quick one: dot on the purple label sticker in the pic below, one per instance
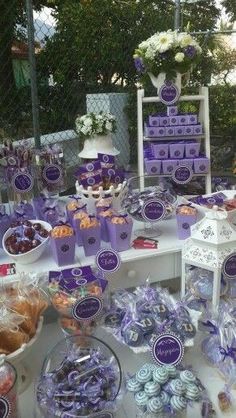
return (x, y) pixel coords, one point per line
(108, 260)
(168, 93)
(162, 152)
(22, 182)
(167, 349)
(154, 169)
(65, 248)
(87, 308)
(153, 210)
(5, 408)
(52, 173)
(229, 266)
(182, 174)
(185, 225)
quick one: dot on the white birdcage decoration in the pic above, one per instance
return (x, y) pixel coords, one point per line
(212, 241)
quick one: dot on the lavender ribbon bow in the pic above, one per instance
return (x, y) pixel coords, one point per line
(228, 352)
(209, 324)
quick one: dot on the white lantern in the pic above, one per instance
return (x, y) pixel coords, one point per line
(212, 240)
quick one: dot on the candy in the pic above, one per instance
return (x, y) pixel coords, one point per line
(224, 401)
(152, 388)
(172, 371)
(187, 377)
(164, 397)
(61, 231)
(178, 403)
(133, 385)
(146, 323)
(155, 405)
(133, 335)
(177, 387)
(113, 320)
(144, 375)
(89, 222)
(141, 400)
(161, 311)
(160, 375)
(25, 236)
(192, 392)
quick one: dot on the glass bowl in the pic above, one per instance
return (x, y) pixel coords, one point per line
(81, 376)
(149, 202)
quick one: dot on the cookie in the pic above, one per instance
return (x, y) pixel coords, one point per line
(133, 335)
(187, 330)
(161, 311)
(147, 324)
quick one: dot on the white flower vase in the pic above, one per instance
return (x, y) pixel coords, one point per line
(98, 144)
(161, 78)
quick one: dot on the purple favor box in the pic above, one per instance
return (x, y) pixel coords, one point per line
(120, 235)
(173, 121)
(187, 162)
(154, 120)
(91, 238)
(201, 165)
(184, 222)
(179, 130)
(168, 166)
(177, 150)
(172, 110)
(164, 121)
(182, 119)
(76, 226)
(197, 129)
(153, 166)
(63, 250)
(160, 151)
(170, 131)
(104, 228)
(192, 149)
(188, 130)
(192, 119)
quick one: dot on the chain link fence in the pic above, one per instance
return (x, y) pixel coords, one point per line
(84, 63)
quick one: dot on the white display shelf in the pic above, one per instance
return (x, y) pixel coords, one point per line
(203, 116)
(130, 362)
(172, 138)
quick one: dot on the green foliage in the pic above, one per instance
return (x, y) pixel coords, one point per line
(230, 6)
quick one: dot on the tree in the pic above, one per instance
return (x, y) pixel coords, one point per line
(230, 7)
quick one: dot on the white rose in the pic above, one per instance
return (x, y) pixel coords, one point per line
(108, 126)
(87, 122)
(185, 39)
(179, 57)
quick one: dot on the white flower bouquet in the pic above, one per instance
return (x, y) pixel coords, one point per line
(91, 124)
(168, 52)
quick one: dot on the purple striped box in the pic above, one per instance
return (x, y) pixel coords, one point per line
(153, 166)
(168, 166)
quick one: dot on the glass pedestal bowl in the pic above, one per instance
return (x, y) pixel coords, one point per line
(147, 201)
(81, 377)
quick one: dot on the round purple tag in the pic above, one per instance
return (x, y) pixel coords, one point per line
(87, 308)
(52, 173)
(182, 174)
(167, 349)
(229, 266)
(153, 210)
(22, 182)
(169, 93)
(108, 260)
(5, 408)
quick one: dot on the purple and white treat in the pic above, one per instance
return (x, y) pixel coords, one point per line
(133, 335)
(161, 311)
(172, 371)
(165, 398)
(146, 323)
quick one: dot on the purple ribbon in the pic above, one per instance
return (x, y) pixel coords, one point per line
(209, 324)
(228, 352)
(73, 196)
